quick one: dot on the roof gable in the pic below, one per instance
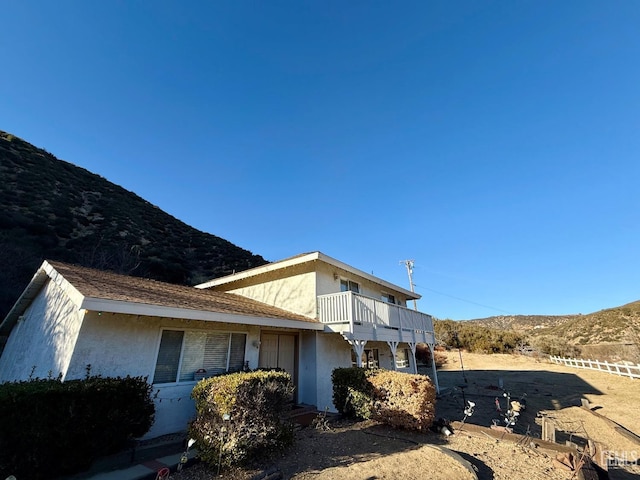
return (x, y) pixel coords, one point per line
(301, 259)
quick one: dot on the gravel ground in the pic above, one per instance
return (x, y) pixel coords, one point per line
(351, 451)
(355, 451)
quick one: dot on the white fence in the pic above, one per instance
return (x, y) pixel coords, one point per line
(626, 370)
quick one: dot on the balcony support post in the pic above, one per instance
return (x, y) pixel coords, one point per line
(412, 346)
(433, 365)
(358, 347)
(394, 348)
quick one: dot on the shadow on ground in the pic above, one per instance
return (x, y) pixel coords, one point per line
(542, 390)
(350, 445)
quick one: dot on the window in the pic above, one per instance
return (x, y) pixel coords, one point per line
(183, 353)
(369, 358)
(349, 286)
(402, 358)
(387, 297)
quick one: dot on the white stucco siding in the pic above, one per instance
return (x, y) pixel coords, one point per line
(328, 282)
(115, 345)
(121, 345)
(42, 342)
(333, 351)
(307, 371)
(294, 292)
(328, 279)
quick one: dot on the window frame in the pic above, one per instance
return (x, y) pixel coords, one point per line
(407, 358)
(184, 331)
(389, 298)
(349, 284)
(376, 358)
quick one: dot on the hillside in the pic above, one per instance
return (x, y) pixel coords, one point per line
(521, 323)
(610, 333)
(52, 209)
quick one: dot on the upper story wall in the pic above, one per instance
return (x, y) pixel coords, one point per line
(328, 281)
(292, 289)
(297, 287)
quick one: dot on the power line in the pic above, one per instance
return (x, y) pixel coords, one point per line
(464, 300)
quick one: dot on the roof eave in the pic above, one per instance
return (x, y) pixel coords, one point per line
(26, 297)
(304, 259)
(132, 308)
(261, 270)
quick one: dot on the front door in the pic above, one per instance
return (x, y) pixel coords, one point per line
(278, 351)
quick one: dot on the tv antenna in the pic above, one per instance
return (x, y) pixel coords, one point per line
(409, 265)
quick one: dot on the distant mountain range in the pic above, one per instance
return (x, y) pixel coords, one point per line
(51, 209)
(609, 332)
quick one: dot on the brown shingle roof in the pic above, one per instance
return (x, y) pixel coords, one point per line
(111, 286)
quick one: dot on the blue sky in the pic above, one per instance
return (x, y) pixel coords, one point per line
(494, 143)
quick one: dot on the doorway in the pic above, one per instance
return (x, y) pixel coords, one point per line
(278, 350)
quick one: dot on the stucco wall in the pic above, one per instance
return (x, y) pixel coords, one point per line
(44, 338)
(333, 351)
(113, 344)
(116, 344)
(328, 283)
(307, 372)
(295, 292)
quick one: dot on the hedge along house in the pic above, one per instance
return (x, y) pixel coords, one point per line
(374, 327)
(70, 317)
(308, 315)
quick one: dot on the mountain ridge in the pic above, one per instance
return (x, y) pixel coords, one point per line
(53, 209)
(611, 332)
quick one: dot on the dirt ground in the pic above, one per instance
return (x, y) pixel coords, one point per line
(551, 391)
(366, 450)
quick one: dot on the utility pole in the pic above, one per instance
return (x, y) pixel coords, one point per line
(409, 265)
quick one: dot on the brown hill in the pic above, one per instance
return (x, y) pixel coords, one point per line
(52, 209)
(611, 333)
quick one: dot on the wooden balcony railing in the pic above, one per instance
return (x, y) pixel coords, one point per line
(361, 313)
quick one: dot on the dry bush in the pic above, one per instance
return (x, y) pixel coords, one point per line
(403, 400)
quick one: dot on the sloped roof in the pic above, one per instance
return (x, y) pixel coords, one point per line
(300, 259)
(107, 291)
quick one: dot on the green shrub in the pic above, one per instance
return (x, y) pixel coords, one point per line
(352, 392)
(50, 428)
(398, 399)
(257, 404)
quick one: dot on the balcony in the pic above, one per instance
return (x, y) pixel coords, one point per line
(360, 317)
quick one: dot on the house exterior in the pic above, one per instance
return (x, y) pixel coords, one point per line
(369, 314)
(308, 315)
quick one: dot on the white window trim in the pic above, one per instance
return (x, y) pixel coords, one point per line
(408, 358)
(387, 294)
(185, 330)
(348, 280)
